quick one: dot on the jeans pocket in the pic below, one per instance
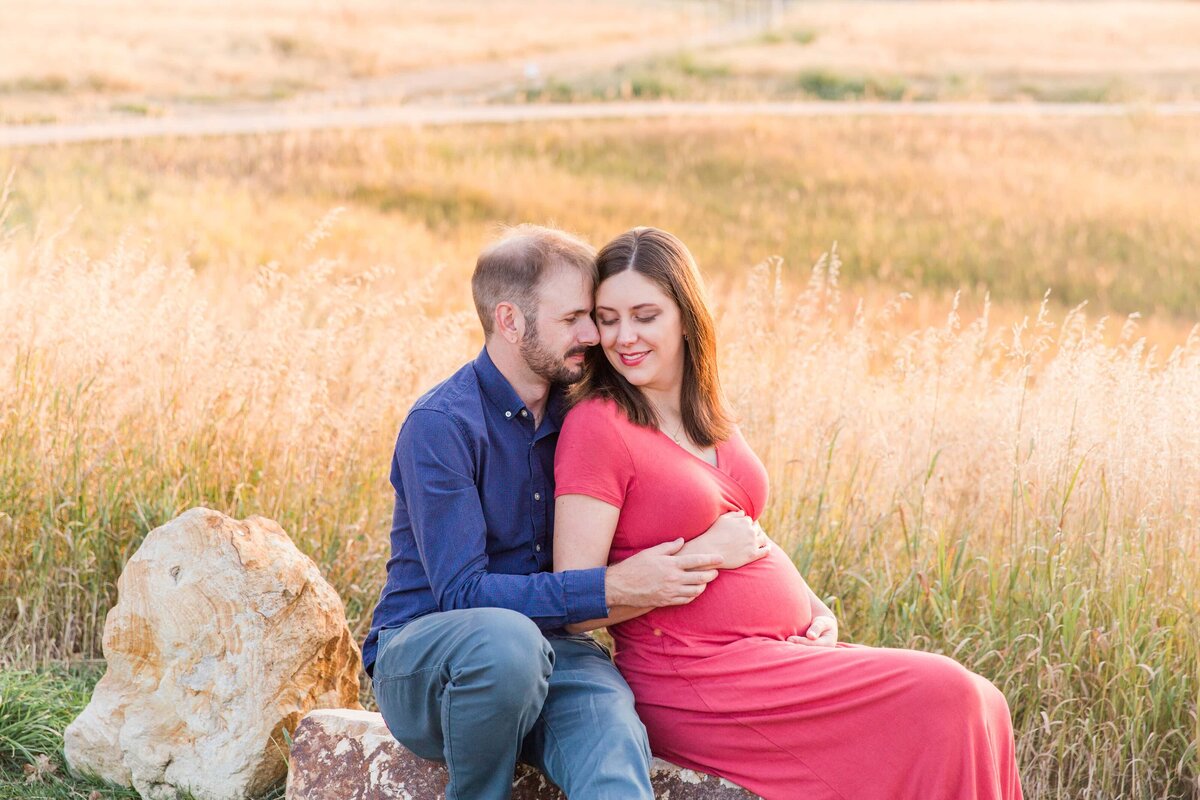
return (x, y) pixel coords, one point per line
(411, 705)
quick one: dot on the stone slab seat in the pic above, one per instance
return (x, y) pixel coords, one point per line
(339, 754)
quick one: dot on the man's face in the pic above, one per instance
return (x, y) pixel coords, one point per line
(562, 329)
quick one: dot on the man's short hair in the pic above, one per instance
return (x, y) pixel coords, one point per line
(511, 268)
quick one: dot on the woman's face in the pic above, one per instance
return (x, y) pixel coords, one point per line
(641, 331)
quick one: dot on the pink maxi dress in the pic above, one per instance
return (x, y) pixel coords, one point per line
(719, 687)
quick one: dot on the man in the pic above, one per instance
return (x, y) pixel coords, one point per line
(467, 652)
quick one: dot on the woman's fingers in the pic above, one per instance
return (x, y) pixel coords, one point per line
(807, 642)
(822, 632)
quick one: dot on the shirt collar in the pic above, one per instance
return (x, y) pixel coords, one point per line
(501, 394)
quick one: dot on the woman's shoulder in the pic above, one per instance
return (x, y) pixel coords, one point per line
(592, 443)
(596, 408)
(595, 418)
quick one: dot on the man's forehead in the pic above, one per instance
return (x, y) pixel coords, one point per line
(565, 287)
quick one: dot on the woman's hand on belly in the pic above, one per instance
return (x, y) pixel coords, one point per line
(822, 632)
(735, 537)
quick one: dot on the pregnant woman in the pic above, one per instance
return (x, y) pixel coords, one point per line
(748, 680)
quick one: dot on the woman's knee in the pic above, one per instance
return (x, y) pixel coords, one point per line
(954, 690)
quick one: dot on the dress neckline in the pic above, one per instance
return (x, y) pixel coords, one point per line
(685, 451)
(721, 473)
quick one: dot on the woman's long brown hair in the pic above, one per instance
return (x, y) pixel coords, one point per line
(663, 259)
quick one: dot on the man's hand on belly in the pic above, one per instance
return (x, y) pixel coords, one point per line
(658, 576)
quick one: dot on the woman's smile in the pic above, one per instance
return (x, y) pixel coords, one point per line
(633, 359)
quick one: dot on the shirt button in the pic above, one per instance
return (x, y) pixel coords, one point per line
(537, 495)
(524, 413)
(508, 413)
(657, 632)
(537, 547)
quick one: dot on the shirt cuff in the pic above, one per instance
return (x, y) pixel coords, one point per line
(585, 594)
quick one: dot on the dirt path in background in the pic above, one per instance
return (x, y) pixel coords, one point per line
(276, 120)
(419, 96)
(457, 95)
(475, 82)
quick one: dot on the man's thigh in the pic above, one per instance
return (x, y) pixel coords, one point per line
(416, 662)
(589, 739)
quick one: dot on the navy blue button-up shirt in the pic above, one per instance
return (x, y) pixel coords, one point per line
(474, 518)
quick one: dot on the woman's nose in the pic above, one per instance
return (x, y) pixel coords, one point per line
(626, 334)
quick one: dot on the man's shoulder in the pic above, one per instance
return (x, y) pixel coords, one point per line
(455, 398)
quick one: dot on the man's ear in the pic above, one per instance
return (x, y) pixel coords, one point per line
(509, 322)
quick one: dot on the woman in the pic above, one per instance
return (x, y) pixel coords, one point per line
(748, 680)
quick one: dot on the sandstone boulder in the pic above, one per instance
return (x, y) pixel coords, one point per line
(224, 635)
(351, 755)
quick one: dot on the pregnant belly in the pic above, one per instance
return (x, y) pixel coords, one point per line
(766, 598)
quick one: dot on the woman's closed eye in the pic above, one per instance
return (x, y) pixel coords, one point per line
(615, 320)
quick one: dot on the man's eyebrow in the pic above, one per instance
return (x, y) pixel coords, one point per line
(575, 313)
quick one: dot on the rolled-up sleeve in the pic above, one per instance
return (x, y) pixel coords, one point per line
(433, 473)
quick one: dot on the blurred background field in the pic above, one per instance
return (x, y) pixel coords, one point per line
(71, 60)
(930, 50)
(960, 462)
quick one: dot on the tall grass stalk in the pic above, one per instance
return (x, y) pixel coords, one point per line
(1024, 499)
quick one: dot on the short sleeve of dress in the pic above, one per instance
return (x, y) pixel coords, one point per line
(592, 458)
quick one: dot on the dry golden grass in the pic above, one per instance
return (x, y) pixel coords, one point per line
(1129, 40)
(70, 59)
(1017, 486)
(1022, 498)
(934, 50)
(1094, 210)
(63, 59)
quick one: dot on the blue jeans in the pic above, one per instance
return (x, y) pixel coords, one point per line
(479, 688)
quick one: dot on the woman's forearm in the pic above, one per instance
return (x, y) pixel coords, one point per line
(616, 614)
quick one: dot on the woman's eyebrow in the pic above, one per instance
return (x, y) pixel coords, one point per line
(638, 307)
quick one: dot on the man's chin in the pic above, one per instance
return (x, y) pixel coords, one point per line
(569, 375)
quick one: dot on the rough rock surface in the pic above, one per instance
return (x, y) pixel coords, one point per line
(223, 636)
(351, 755)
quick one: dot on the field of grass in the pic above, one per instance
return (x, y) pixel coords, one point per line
(1013, 484)
(932, 50)
(1093, 210)
(35, 707)
(71, 59)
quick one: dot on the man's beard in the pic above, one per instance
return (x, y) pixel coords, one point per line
(545, 364)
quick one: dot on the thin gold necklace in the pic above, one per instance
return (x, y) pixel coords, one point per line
(675, 435)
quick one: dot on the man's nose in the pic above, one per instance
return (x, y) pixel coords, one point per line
(588, 334)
